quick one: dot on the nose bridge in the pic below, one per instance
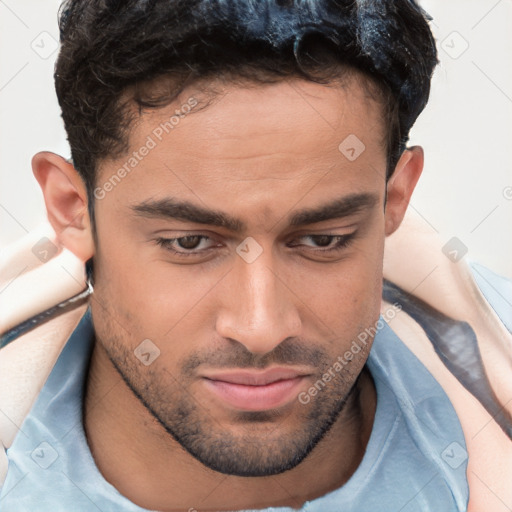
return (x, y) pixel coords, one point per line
(261, 294)
(260, 313)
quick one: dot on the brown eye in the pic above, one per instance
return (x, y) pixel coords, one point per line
(189, 242)
(321, 240)
(322, 243)
(189, 245)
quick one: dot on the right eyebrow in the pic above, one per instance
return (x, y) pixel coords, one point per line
(169, 208)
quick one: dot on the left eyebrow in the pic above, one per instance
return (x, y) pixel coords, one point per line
(344, 207)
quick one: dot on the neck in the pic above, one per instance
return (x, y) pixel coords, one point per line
(144, 463)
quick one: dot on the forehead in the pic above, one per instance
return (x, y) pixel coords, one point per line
(291, 135)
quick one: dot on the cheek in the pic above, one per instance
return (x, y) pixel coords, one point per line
(356, 298)
(346, 296)
(150, 297)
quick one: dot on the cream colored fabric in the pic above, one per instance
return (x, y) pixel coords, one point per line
(29, 285)
(415, 262)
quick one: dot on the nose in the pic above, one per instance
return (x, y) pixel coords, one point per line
(260, 310)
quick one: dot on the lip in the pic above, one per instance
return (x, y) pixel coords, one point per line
(255, 377)
(256, 390)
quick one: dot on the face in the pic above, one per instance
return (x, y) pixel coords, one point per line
(247, 248)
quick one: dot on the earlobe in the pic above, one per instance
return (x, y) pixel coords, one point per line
(401, 186)
(65, 197)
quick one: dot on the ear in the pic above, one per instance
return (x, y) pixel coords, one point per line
(401, 185)
(65, 196)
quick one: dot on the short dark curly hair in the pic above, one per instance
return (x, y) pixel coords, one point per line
(112, 50)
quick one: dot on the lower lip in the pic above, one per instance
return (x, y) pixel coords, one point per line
(256, 398)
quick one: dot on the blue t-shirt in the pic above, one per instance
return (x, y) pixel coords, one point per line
(415, 460)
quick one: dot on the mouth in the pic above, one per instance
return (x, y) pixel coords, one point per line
(256, 390)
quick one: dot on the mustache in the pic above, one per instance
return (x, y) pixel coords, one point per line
(291, 351)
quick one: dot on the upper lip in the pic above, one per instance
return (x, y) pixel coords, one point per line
(255, 377)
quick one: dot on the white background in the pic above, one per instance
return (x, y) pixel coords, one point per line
(466, 130)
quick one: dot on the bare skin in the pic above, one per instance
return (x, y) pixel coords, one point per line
(259, 156)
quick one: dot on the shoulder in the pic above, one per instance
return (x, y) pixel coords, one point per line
(35, 275)
(24, 367)
(466, 293)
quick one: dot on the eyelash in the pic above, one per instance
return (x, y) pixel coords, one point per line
(343, 241)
